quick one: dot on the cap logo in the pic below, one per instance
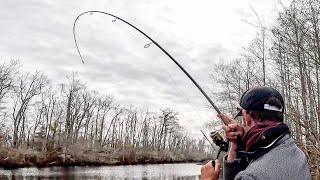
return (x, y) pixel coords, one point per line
(272, 108)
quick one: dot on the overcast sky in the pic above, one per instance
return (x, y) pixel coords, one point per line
(197, 33)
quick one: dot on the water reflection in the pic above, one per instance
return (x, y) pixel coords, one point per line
(185, 171)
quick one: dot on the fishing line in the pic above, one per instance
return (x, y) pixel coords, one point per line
(147, 45)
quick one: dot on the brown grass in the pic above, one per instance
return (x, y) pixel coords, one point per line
(82, 155)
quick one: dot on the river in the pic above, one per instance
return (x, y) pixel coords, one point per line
(188, 171)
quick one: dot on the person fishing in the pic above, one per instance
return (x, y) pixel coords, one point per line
(261, 146)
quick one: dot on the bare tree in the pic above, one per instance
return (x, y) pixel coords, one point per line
(71, 92)
(28, 88)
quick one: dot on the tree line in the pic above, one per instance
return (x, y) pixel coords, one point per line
(36, 114)
(285, 55)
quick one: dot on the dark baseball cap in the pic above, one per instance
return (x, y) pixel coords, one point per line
(261, 98)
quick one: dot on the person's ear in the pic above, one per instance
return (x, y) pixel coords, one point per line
(247, 118)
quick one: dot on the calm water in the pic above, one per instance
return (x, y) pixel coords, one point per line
(162, 172)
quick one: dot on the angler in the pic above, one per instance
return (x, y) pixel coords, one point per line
(261, 147)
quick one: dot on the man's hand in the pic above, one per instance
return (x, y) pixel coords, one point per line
(208, 172)
(233, 130)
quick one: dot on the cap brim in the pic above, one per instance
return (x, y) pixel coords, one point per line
(239, 113)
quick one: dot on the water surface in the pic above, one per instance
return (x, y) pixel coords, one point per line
(189, 171)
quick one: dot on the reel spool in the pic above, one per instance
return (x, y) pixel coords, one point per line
(218, 139)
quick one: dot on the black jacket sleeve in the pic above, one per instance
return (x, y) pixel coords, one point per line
(231, 169)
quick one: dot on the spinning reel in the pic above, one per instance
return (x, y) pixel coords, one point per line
(218, 139)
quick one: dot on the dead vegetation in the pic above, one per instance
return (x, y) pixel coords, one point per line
(79, 156)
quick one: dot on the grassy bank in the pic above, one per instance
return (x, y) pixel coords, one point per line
(79, 156)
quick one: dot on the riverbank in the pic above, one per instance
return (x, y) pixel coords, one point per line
(11, 158)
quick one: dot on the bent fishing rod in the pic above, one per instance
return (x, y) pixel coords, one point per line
(147, 45)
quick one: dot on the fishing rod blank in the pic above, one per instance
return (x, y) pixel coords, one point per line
(152, 42)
